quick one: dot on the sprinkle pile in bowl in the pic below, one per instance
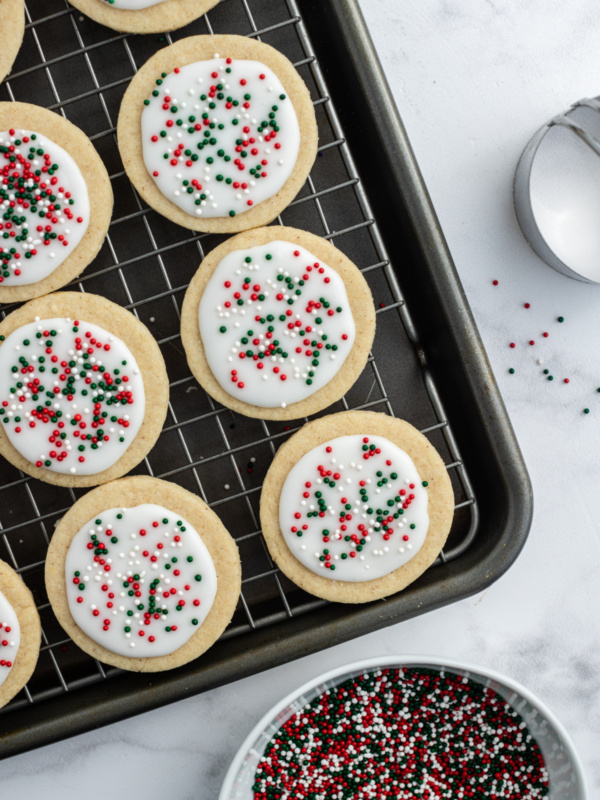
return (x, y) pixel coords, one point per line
(381, 730)
(402, 733)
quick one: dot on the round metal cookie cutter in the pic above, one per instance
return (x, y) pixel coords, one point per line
(557, 192)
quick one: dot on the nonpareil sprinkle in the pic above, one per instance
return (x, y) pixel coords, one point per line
(403, 734)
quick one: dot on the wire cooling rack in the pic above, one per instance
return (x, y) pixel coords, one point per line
(79, 69)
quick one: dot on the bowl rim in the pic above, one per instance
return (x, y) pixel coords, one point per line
(397, 661)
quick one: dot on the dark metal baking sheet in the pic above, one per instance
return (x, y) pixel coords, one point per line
(365, 193)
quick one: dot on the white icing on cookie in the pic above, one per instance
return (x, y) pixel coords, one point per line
(10, 637)
(140, 581)
(71, 395)
(48, 212)
(219, 136)
(133, 5)
(275, 323)
(354, 509)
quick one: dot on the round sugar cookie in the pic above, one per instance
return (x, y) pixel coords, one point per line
(62, 212)
(277, 323)
(142, 574)
(218, 133)
(144, 16)
(83, 389)
(20, 633)
(356, 506)
(12, 15)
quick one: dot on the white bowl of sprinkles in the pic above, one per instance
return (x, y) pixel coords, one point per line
(532, 731)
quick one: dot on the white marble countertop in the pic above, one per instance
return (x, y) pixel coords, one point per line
(473, 80)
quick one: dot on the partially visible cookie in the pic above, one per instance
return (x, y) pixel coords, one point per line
(58, 194)
(12, 28)
(277, 323)
(20, 633)
(142, 574)
(356, 506)
(83, 389)
(218, 133)
(144, 16)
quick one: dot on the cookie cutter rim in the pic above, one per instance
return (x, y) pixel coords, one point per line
(522, 186)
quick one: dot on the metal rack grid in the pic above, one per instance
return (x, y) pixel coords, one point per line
(79, 69)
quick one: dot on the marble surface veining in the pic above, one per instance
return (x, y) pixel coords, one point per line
(473, 80)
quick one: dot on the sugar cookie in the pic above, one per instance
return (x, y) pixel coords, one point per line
(58, 193)
(218, 133)
(277, 323)
(20, 633)
(83, 389)
(12, 14)
(356, 506)
(144, 16)
(142, 574)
